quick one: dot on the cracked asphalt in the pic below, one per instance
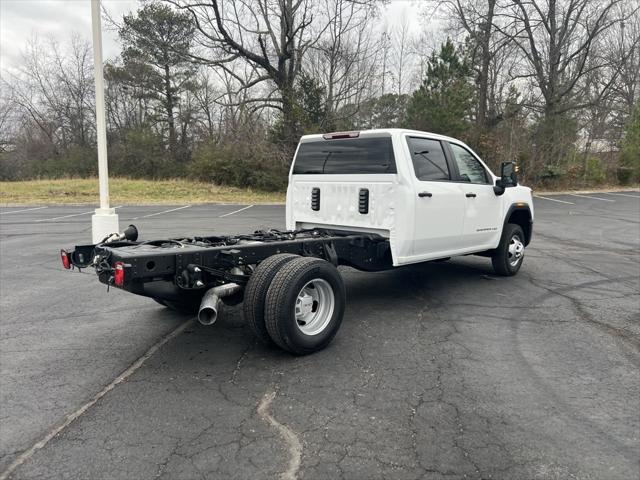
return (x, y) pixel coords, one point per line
(441, 370)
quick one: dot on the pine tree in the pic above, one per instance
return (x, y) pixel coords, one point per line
(156, 41)
(443, 103)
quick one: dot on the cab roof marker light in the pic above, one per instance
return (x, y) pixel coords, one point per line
(337, 135)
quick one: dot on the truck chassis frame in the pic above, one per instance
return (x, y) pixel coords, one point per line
(184, 268)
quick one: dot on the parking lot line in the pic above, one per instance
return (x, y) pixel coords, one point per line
(623, 195)
(235, 211)
(69, 216)
(160, 213)
(64, 216)
(72, 417)
(25, 210)
(587, 196)
(554, 200)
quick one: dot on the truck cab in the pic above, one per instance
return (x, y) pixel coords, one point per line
(430, 195)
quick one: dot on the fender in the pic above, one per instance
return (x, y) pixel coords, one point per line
(522, 217)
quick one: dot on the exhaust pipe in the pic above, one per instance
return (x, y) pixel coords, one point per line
(210, 305)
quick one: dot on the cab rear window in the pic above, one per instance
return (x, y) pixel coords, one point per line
(345, 156)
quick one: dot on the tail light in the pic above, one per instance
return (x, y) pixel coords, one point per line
(66, 262)
(118, 274)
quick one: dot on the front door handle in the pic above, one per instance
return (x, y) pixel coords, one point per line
(471, 195)
(425, 194)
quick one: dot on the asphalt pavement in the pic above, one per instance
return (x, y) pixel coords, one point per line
(440, 370)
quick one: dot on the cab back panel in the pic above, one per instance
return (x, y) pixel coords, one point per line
(348, 184)
(340, 203)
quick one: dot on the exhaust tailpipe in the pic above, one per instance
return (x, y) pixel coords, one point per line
(210, 305)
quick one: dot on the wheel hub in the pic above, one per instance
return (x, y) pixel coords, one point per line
(516, 250)
(314, 306)
(304, 304)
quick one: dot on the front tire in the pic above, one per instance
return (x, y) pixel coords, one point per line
(305, 305)
(508, 257)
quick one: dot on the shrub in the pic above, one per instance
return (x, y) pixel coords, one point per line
(142, 154)
(240, 164)
(595, 172)
(77, 161)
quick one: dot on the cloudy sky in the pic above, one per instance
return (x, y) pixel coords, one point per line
(21, 20)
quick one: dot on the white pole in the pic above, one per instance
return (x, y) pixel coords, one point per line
(105, 220)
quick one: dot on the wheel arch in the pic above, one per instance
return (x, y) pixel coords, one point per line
(520, 214)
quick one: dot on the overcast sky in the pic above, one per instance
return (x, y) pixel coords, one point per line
(21, 20)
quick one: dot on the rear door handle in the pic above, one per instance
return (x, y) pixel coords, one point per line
(425, 194)
(471, 195)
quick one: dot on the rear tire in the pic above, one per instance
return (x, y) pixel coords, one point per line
(508, 257)
(256, 292)
(305, 305)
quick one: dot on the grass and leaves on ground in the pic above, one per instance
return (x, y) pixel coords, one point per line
(128, 191)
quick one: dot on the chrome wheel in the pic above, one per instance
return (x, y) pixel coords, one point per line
(314, 306)
(516, 250)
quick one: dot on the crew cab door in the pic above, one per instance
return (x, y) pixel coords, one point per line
(483, 208)
(439, 207)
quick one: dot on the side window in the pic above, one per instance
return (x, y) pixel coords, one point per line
(428, 158)
(471, 170)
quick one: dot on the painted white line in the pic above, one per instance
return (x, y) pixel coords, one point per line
(25, 210)
(294, 446)
(65, 216)
(587, 196)
(160, 213)
(24, 456)
(69, 216)
(553, 200)
(623, 195)
(236, 211)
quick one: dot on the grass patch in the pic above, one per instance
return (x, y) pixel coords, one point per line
(127, 191)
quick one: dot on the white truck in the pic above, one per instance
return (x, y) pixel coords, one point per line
(371, 200)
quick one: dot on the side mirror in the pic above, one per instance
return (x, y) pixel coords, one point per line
(508, 175)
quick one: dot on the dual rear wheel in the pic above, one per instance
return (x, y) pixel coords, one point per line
(295, 302)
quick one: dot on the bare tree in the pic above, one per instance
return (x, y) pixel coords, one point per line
(385, 47)
(402, 52)
(54, 90)
(344, 57)
(556, 39)
(271, 35)
(621, 51)
(206, 96)
(8, 122)
(477, 19)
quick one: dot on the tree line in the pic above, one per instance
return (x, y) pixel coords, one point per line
(222, 90)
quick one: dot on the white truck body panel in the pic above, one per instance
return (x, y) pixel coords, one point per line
(446, 224)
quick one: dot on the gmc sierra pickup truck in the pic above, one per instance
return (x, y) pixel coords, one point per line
(371, 200)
